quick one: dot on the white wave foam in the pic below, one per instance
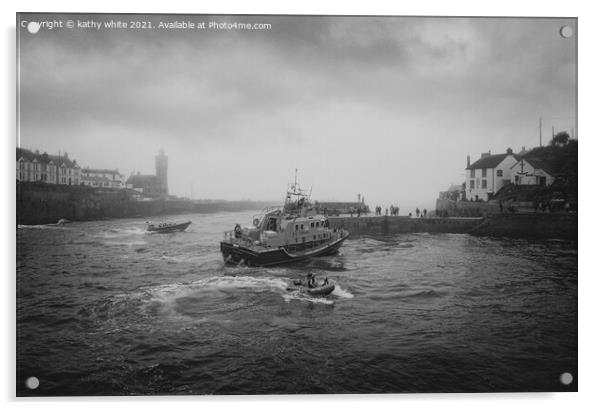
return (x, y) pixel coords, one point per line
(296, 295)
(121, 232)
(342, 293)
(124, 243)
(49, 226)
(172, 291)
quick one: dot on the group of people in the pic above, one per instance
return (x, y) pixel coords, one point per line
(392, 210)
(311, 281)
(420, 214)
(541, 206)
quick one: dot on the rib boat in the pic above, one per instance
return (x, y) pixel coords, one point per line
(167, 227)
(283, 235)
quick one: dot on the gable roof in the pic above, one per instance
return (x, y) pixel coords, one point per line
(45, 158)
(490, 161)
(538, 163)
(138, 180)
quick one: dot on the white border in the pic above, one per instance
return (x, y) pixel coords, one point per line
(589, 131)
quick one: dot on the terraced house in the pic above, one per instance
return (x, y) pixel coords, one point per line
(102, 178)
(51, 169)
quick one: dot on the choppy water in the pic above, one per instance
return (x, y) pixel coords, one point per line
(104, 308)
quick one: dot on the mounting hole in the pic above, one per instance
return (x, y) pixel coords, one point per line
(33, 27)
(566, 31)
(566, 378)
(32, 383)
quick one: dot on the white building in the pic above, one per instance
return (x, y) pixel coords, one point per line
(488, 175)
(50, 169)
(531, 171)
(102, 178)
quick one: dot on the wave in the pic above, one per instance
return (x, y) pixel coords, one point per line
(428, 293)
(120, 232)
(297, 295)
(342, 293)
(47, 226)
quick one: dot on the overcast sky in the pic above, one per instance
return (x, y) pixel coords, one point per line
(386, 107)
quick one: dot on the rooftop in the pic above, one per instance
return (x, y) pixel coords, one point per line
(490, 161)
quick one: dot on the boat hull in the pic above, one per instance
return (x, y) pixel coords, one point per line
(237, 254)
(169, 229)
(321, 290)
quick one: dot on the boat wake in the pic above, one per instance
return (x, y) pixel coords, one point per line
(342, 293)
(121, 232)
(47, 226)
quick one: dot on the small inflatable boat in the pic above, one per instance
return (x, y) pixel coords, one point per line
(318, 290)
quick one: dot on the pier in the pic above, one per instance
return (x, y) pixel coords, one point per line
(542, 225)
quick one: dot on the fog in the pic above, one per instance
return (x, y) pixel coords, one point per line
(386, 107)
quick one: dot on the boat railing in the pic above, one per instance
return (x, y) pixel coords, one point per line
(270, 208)
(230, 236)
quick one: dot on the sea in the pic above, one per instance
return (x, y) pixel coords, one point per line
(106, 308)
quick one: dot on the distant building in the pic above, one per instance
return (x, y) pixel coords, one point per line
(152, 185)
(532, 171)
(453, 193)
(488, 175)
(51, 169)
(102, 178)
(161, 172)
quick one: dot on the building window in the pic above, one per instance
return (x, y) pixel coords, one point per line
(500, 173)
(312, 225)
(484, 172)
(472, 173)
(484, 183)
(472, 184)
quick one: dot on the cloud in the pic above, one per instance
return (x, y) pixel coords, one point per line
(382, 95)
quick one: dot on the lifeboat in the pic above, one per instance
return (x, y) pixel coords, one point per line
(277, 235)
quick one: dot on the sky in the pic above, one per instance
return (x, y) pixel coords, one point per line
(388, 107)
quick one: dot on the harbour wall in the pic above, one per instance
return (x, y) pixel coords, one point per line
(45, 203)
(542, 226)
(467, 208)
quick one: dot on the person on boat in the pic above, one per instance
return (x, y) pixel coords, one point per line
(311, 280)
(325, 281)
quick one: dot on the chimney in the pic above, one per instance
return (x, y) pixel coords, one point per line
(509, 151)
(65, 155)
(485, 154)
(468, 161)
